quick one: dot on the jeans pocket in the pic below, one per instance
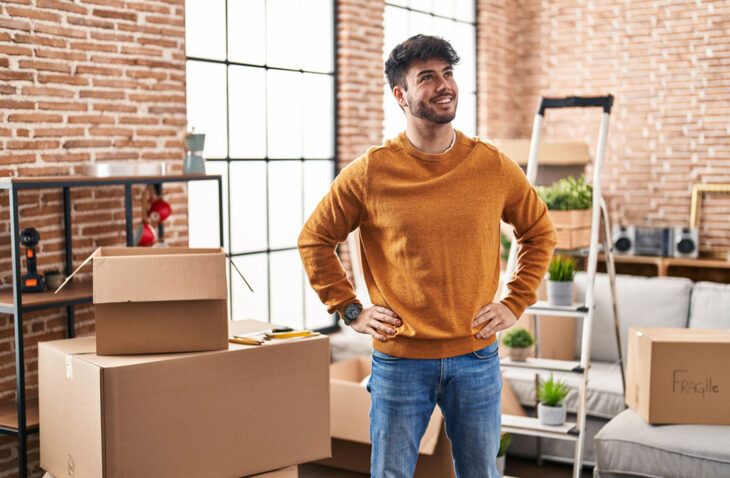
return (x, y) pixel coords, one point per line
(381, 357)
(488, 352)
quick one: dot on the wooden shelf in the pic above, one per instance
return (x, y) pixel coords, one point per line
(73, 293)
(9, 415)
(713, 270)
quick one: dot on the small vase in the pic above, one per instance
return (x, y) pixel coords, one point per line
(518, 354)
(551, 415)
(560, 292)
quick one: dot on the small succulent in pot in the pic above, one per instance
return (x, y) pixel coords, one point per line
(560, 280)
(519, 341)
(551, 393)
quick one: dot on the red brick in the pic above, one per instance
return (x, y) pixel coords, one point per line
(13, 158)
(87, 143)
(148, 7)
(115, 83)
(14, 24)
(6, 132)
(118, 155)
(157, 132)
(91, 119)
(98, 70)
(4, 36)
(17, 105)
(112, 36)
(127, 143)
(57, 132)
(22, 132)
(157, 41)
(158, 75)
(90, 22)
(16, 75)
(15, 50)
(61, 105)
(126, 15)
(46, 91)
(85, 46)
(60, 31)
(58, 5)
(167, 20)
(101, 131)
(44, 171)
(169, 32)
(64, 79)
(36, 40)
(139, 120)
(114, 107)
(175, 121)
(105, 94)
(64, 55)
(35, 144)
(35, 14)
(45, 65)
(35, 118)
(157, 98)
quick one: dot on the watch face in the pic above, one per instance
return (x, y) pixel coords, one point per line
(352, 311)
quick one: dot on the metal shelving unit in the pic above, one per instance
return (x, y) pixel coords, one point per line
(21, 418)
(569, 431)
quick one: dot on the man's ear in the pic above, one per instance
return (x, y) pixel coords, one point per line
(400, 96)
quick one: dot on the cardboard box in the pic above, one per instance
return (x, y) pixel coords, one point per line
(289, 472)
(350, 425)
(159, 300)
(573, 228)
(227, 413)
(679, 376)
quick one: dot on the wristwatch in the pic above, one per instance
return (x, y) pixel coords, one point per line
(352, 311)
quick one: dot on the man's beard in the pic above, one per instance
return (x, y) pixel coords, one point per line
(421, 109)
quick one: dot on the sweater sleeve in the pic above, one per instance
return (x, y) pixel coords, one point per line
(534, 232)
(340, 212)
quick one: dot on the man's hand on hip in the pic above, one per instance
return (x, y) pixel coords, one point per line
(376, 321)
(496, 316)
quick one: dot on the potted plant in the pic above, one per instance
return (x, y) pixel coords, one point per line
(551, 409)
(569, 203)
(519, 341)
(560, 280)
(504, 442)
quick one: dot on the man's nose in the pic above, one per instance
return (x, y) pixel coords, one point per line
(442, 84)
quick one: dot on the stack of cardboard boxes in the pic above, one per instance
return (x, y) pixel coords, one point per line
(160, 392)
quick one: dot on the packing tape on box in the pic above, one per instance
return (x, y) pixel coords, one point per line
(69, 367)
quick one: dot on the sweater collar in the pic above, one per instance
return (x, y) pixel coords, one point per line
(454, 152)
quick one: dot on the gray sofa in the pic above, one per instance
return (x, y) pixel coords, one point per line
(642, 302)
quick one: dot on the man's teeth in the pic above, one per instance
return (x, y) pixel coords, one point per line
(443, 100)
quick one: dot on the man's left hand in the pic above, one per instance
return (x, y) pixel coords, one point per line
(496, 316)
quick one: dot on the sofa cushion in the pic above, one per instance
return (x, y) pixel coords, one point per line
(605, 391)
(628, 445)
(710, 306)
(641, 301)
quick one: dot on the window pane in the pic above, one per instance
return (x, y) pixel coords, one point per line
(317, 29)
(465, 10)
(445, 8)
(287, 289)
(317, 115)
(285, 203)
(465, 45)
(419, 23)
(248, 206)
(246, 30)
(423, 5)
(445, 29)
(203, 208)
(315, 312)
(318, 177)
(205, 29)
(244, 303)
(395, 28)
(403, 3)
(395, 120)
(247, 110)
(283, 33)
(284, 114)
(206, 104)
(465, 120)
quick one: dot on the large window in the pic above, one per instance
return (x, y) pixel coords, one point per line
(260, 85)
(453, 20)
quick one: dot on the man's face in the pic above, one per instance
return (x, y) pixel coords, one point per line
(432, 93)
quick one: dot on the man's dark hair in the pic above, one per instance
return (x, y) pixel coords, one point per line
(416, 48)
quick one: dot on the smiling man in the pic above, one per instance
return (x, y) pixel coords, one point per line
(428, 204)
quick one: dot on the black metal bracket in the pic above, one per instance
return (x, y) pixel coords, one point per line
(605, 102)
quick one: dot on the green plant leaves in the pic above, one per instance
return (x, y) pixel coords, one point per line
(519, 338)
(567, 194)
(552, 392)
(562, 268)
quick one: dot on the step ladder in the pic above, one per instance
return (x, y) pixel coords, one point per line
(570, 431)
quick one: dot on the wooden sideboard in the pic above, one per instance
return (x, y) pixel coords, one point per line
(713, 270)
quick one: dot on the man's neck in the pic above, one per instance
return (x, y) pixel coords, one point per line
(434, 139)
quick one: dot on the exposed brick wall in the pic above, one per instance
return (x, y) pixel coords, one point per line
(83, 81)
(360, 82)
(668, 65)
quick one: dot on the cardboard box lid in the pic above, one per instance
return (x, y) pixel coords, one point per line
(680, 335)
(350, 406)
(551, 153)
(135, 274)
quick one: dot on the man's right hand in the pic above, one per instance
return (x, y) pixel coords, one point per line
(376, 321)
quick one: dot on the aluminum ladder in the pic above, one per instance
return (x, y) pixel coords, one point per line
(570, 431)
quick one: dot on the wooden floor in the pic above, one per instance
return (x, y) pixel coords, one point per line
(515, 467)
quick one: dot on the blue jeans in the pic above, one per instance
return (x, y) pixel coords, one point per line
(404, 393)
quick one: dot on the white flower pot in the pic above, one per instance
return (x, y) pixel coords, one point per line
(551, 415)
(500, 464)
(560, 292)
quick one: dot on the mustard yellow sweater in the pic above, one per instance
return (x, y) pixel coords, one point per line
(429, 226)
